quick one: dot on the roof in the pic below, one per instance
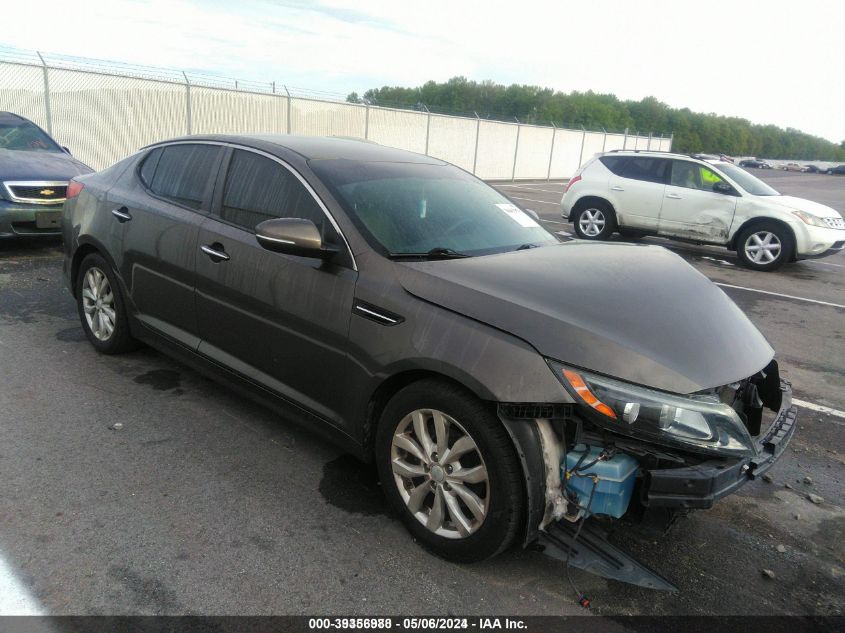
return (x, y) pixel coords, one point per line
(10, 118)
(325, 147)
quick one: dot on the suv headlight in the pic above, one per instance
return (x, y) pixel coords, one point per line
(696, 422)
(809, 218)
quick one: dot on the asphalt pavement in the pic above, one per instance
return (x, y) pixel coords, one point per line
(204, 503)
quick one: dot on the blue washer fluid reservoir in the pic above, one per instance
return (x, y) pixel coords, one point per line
(616, 478)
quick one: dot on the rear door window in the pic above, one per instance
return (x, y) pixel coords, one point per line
(258, 188)
(181, 173)
(646, 168)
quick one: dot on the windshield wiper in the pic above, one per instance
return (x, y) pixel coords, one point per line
(438, 252)
(525, 247)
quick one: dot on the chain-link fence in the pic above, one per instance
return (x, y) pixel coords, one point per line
(103, 111)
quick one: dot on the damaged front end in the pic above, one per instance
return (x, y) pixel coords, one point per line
(622, 449)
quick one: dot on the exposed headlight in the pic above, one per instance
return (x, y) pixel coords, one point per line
(696, 422)
(809, 218)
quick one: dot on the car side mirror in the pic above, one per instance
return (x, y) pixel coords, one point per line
(293, 236)
(66, 149)
(533, 214)
(723, 187)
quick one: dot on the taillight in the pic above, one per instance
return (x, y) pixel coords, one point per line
(73, 189)
(571, 182)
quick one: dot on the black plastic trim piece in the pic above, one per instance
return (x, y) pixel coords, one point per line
(594, 554)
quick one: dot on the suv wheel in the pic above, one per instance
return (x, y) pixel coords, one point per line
(101, 307)
(595, 221)
(765, 246)
(449, 468)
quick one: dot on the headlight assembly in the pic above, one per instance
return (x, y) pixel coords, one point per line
(809, 218)
(696, 422)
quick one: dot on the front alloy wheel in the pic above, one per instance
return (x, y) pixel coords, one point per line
(450, 470)
(440, 474)
(765, 246)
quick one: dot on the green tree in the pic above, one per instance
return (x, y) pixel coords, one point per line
(693, 131)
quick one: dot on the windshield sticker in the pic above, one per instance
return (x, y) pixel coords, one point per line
(518, 215)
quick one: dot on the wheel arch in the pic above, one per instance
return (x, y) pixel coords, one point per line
(751, 222)
(388, 388)
(588, 200)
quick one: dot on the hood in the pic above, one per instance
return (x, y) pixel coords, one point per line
(25, 165)
(638, 313)
(800, 204)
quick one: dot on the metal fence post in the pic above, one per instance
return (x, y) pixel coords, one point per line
(551, 151)
(583, 140)
(604, 142)
(671, 140)
(427, 126)
(47, 109)
(649, 141)
(625, 141)
(289, 106)
(188, 102)
(366, 121)
(477, 133)
(515, 150)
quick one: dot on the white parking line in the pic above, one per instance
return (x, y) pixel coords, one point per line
(812, 261)
(14, 598)
(533, 188)
(556, 204)
(818, 407)
(553, 222)
(780, 294)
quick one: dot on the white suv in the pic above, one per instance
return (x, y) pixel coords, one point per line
(698, 200)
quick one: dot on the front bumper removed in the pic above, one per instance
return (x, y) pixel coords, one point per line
(701, 485)
(696, 486)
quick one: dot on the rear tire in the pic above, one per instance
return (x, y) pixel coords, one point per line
(459, 491)
(101, 307)
(765, 246)
(594, 221)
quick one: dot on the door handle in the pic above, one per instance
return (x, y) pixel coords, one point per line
(122, 214)
(215, 252)
(617, 188)
(674, 196)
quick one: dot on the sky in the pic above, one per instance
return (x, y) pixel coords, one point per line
(771, 62)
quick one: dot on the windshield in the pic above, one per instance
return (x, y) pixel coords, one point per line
(406, 208)
(24, 135)
(751, 184)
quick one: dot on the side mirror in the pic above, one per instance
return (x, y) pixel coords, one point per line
(723, 187)
(533, 214)
(293, 236)
(66, 149)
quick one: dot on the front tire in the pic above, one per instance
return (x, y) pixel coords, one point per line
(765, 246)
(101, 308)
(450, 470)
(595, 221)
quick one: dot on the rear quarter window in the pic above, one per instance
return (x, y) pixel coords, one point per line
(148, 166)
(182, 172)
(614, 163)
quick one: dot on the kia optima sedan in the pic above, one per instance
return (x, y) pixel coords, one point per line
(34, 172)
(417, 317)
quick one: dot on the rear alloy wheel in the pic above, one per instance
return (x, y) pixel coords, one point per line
(595, 222)
(450, 470)
(101, 307)
(765, 246)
